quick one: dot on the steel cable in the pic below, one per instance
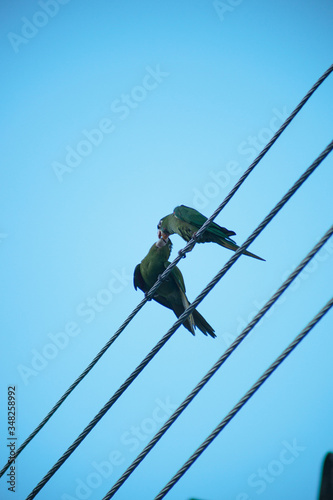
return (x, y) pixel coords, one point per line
(180, 320)
(243, 400)
(165, 274)
(218, 364)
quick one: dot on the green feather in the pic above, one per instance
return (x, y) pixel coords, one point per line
(195, 218)
(186, 221)
(171, 293)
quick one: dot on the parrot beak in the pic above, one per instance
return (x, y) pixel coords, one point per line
(162, 235)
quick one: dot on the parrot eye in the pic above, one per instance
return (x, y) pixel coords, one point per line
(159, 224)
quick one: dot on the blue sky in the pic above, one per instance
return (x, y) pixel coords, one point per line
(113, 113)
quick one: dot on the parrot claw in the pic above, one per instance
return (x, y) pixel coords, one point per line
(146, 296)
(182, 253)
(196, 238)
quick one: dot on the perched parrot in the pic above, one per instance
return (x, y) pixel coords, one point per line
(186, 221)
(171, 292)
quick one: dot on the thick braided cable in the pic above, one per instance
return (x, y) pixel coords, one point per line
(74, 384)
(218, 364)
(243, 400)
(165, 274)
(255, 162)
(180, 320)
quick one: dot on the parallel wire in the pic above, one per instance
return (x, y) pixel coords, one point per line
(180, 320)
(255, 162)
(165, 274)
(243, 400)
(218, 364)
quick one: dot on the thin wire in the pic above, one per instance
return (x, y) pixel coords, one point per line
(165, 274)
(243, 400)
(218, 364)
(247, 172)
(180, 320)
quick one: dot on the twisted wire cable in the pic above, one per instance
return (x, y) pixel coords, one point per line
(244, 400)
(255, 162)
(218, 364)
(165, 274)
(180, 320)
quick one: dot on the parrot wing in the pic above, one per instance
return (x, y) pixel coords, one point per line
(192, 216)
(177, 277)
(195, 319)
(138, 280)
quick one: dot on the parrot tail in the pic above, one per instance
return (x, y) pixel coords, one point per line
(195, 319)
(202, 324)
(232, 246)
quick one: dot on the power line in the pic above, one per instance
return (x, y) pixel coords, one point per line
(218, 364)
(180, 320)
(243, 400)
(165, 274)
(255, 162)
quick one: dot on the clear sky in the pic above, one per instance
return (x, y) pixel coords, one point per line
(113, 113)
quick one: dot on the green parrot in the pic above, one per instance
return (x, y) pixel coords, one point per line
(186, 221)
(171, 292)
